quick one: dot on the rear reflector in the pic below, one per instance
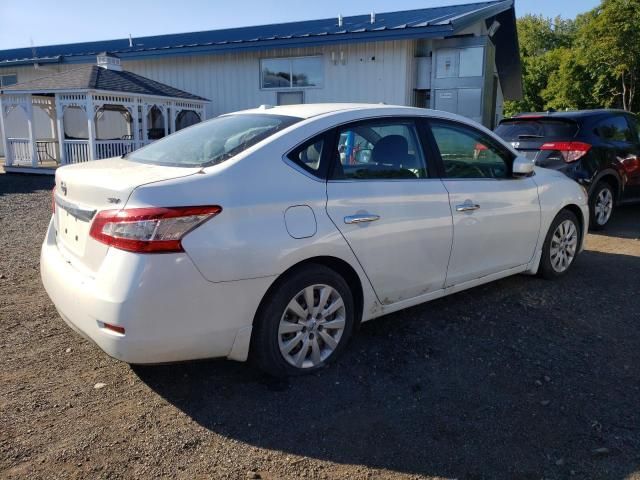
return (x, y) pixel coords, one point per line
(149, 230)
(571, 151)
(114, 328)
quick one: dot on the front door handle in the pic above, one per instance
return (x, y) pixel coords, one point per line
(360, 219)
(467, 207)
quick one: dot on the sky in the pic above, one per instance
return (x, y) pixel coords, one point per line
(46, 22)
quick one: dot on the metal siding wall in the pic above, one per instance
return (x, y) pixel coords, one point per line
(232, 81)
(411, 73)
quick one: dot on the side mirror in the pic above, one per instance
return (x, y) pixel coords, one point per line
(522, 167)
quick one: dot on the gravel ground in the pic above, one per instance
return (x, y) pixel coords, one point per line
(522, 378)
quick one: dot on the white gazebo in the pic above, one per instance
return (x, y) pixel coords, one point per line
(93, 112)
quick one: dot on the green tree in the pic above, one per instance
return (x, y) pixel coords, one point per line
(569, 82)
(590, 62)
(539, 38)
(609, 42)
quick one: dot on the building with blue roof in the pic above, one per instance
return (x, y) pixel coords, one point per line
(459, 58)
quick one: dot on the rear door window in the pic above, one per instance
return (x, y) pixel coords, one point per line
(614, 129)
(379, 149)
(523, 129)
(635, 127)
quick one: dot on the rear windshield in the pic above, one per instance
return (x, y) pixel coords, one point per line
(521, 129)
(212, 142)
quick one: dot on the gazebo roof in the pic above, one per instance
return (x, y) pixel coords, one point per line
(92, 77)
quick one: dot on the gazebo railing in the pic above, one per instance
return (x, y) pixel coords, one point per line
(20, 152)
(113, 148)
(76, 151)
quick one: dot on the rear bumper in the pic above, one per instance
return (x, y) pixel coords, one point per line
(168, 310)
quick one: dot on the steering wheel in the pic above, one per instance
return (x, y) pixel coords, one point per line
(461, 169)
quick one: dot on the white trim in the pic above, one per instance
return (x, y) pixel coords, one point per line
(7, 153)
(60, 128)
(67, 91)
(91, 125)
(32, 132)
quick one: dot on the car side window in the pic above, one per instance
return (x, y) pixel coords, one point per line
(635, 127)
(379, 149)
(309, 155)
(469, 153)
(615, 129)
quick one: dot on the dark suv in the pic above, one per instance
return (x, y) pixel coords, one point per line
(600, 149)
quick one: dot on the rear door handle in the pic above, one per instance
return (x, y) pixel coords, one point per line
(467, 207)
(360, 219)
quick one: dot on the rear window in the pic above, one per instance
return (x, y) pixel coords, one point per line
(212, 142)
(521, 129)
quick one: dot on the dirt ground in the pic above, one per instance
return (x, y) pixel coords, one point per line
(519, 379)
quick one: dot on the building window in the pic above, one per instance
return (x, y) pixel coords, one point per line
(9, 79)
(295, 72)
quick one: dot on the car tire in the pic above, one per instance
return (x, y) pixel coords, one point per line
(601, 205)
(284, 343)
(561, 246)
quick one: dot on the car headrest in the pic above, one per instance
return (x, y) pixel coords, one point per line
(392, 149)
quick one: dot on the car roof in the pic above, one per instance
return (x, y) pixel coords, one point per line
(309, 110)
(571, 114)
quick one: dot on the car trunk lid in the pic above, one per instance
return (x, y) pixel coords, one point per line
(83, 190)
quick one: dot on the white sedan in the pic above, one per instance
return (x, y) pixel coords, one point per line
(271, 233)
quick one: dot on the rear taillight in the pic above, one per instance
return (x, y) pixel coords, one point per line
(570, 151)
(149, 230)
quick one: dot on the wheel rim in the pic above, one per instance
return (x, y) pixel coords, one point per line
(603, 206)
(311, 326)
(563, 246)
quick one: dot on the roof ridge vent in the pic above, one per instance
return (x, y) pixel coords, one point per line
(109, 61)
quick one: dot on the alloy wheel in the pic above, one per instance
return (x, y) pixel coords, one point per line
(564, 245)
(603, 206)
(311, 326)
